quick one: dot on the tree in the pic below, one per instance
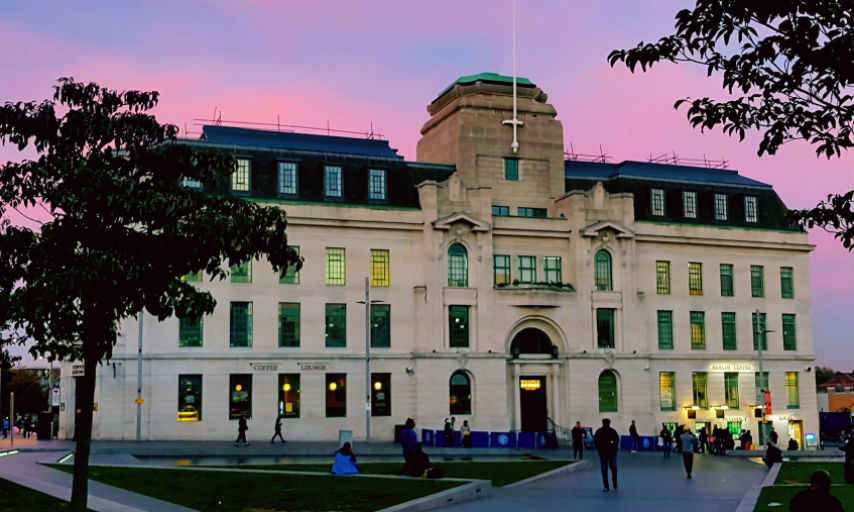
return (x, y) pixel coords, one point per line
(788, 64)
(29, 395)
(824, 374)
(123, 230)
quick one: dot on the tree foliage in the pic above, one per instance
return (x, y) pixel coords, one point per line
(29, 395)
(123, 230)
(787, 66)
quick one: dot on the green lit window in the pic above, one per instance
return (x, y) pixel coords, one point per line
(377, 184)
(189, 398)
(607, 392)
(552, 266)
(190, 332)
(289, 320)
(662, 277)
(380, 394)
(336, 395)
(511, 169)
(695, 278)
(192, 277)
(728, 331)
(731, 390)
(698, 330)
(501, 269)
(787, 283)
(602, 270)
(790, 342)
(291, 275)
(527, 269)
(734, 427)
(667, 391)
(458, 266)
(289, 395)
(380, 325)
(665, 330)
(757, 281)
(699, 382)
(792, 390)
(380, 267)
(760, 327)
(726, 280)
(333, 182)
(500, 211)
(605, 327)
(241, 324)
(336, 266)
(459, 391)
(761, 380)
(240, 396)
(242, 273)
(458, 326)
(336, 325)
(241, 176)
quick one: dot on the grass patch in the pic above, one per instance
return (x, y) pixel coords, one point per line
(783, 495)
(14, 497)
(800, 472)
(233, 491)
(500, 473)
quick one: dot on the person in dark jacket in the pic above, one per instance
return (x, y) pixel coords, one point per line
(633, 432)
(278, 431)
(704, 441)
(578, 441)
(689, 442)
(848, 448)
(408, 440)
(817, 497)
(772, 452)
(666, 440)
(448, 433)
(242, 427)
(607, 441)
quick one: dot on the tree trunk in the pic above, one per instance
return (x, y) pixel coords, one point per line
(83, 430)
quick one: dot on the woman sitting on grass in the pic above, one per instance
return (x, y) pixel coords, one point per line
(345, 461)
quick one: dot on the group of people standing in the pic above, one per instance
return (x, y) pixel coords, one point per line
(25, 424)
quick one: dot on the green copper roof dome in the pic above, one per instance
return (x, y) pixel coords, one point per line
(494, 78)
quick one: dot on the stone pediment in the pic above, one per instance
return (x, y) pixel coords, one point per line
(593, 230)
(445, 223)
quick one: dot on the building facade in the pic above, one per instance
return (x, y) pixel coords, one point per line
(518, 290)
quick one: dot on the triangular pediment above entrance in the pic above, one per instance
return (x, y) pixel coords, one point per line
(621, 231)
(445, 223)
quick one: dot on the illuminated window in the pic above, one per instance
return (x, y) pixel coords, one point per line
(605, 327)
(380, 325)
(607, 392)
(787, 283)
(665, 330)
(240, 396)
(336, 325)
(458, 325)
(731, 390)
(500, 211)
(552, 266)
(336, 267)
(190, 332)
(241, 175)
(689, 205)
(241, 324)
(501, 269)
(191, 183)
(189, 398)
(288, 178)
(698, 330)
(193, 277)
(289, 324)
(336, 395)
(380, 267)
(657, 201)
(459, 389)
(667, 391)
(242, 273)
(759, 331)
(662, 277)
(291, 275)
(695, 278)
(699, 382)
(332, 181)
(377, 184)
(761, 380)
(792, 390)
(603, 270)
(728, 331)
(289, 395)
(750, 209)
(757, 281)
(790, 342)
(726, 280)
(380, 394)
(721, 207)
(458, 266)
(527, 269)
(511, 169)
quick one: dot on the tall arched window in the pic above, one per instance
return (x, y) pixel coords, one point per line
(607, 392)
(603, 270)
(460, 393)
(458, 266)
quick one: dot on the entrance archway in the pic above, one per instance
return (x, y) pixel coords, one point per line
(533, 402)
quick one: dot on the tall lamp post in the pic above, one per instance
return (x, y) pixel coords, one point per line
(367, 302)
(761, 337)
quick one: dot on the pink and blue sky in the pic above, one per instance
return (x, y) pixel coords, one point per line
(353, 64)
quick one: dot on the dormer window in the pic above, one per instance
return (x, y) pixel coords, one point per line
(751, 211)
(333, 185)
(288, 178)
(377, 184)
(721, 207)
(241, 175)
(689, 204)
(657, 201)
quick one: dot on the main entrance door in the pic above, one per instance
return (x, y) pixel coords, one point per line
(532, 394)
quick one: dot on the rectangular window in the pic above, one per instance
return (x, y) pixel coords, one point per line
(240, 395)
(700, 384)
(605, 327)
(458, 325)
(241, 324)
(380, 263)
(190, 332)
(721, 207)
(662, 277)
(553, 269)
(527, 269)
(757, 281)
(759, 326)
(728, 331)
(336, 395)
(790, 342)
(667, 391)
(787, 283)
(332, 181)
(751, 212)
(511, 169)
(695, 278)
(500, 211)
(731, 390)
(698, 330)
(380, 325)
(189, 397)
(288, 178)
(537, 213)
(792, 391)
(380, 394)
(689, 204)
(336, 267)
(657, 201)
(289, 394)
(665, 330)
(500, 269)
(761, 380)
(291, 275)
(191, 183)
(336, 325)
(726, 280)
(377, 184)
(241, 175)
(192, 277)
(289, 317)
(242, 273)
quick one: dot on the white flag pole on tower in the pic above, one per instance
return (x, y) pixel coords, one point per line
(515, 122)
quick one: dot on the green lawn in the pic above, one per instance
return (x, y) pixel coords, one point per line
(800, 472)
(14, 497)
(783, 495)
(233, 491)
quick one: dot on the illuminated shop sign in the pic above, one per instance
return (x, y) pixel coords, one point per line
(731, 367)
(530, 384)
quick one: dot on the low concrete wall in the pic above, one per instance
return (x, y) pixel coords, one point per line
(473, 490)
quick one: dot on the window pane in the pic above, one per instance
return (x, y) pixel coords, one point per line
(289, 395)
(332, 185)
(377, 184)
(458, 271)
(667, 390)
(511, 169)
(750, 209)
(291, 275)
(787, 283)
(603, 270)
(501, 269)
(731, 390)
(605, 327)
(728, 331)
(287, 178)
(380, 325)
(241, 175)
(607, 392)
(761, 380)
(698, 330)
(380, 262)
(665, 330)
(537, 213)
(336, 395)
(695, 278)
(699, 380)
(657, 201)
(190, 332)
(380, 394)
(689, 204)
(189, 398)
(721, 207)
(553, 269)
(789, 340)
(458, 324)
(191, 183)
(242, 273)
(193, 277)
(460, 394)
(527, 269)
(336, 325)
(500, 211)
(726, 280)
(760, 327)
(757, 281)
(289, 324)
(240, 396)
(792, 390)
(241, 324)
(336, 267)
(662, 277)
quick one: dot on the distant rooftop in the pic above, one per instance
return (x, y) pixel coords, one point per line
(658, 172)
(490, 78)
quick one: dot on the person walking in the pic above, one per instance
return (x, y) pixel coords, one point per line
(848, 448)
(817, 497)
(633, 432)
(448, 433)
(408, 440)
(704, 441)
(242, 427)
(465, 433)
(689, 444)
(578, 441)
(666, 440)
(278, 431)
(607, 441)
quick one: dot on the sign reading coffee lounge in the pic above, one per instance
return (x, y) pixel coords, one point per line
(731, 367)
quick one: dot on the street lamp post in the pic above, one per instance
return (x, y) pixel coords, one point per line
(367, 302)
(761, 335)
